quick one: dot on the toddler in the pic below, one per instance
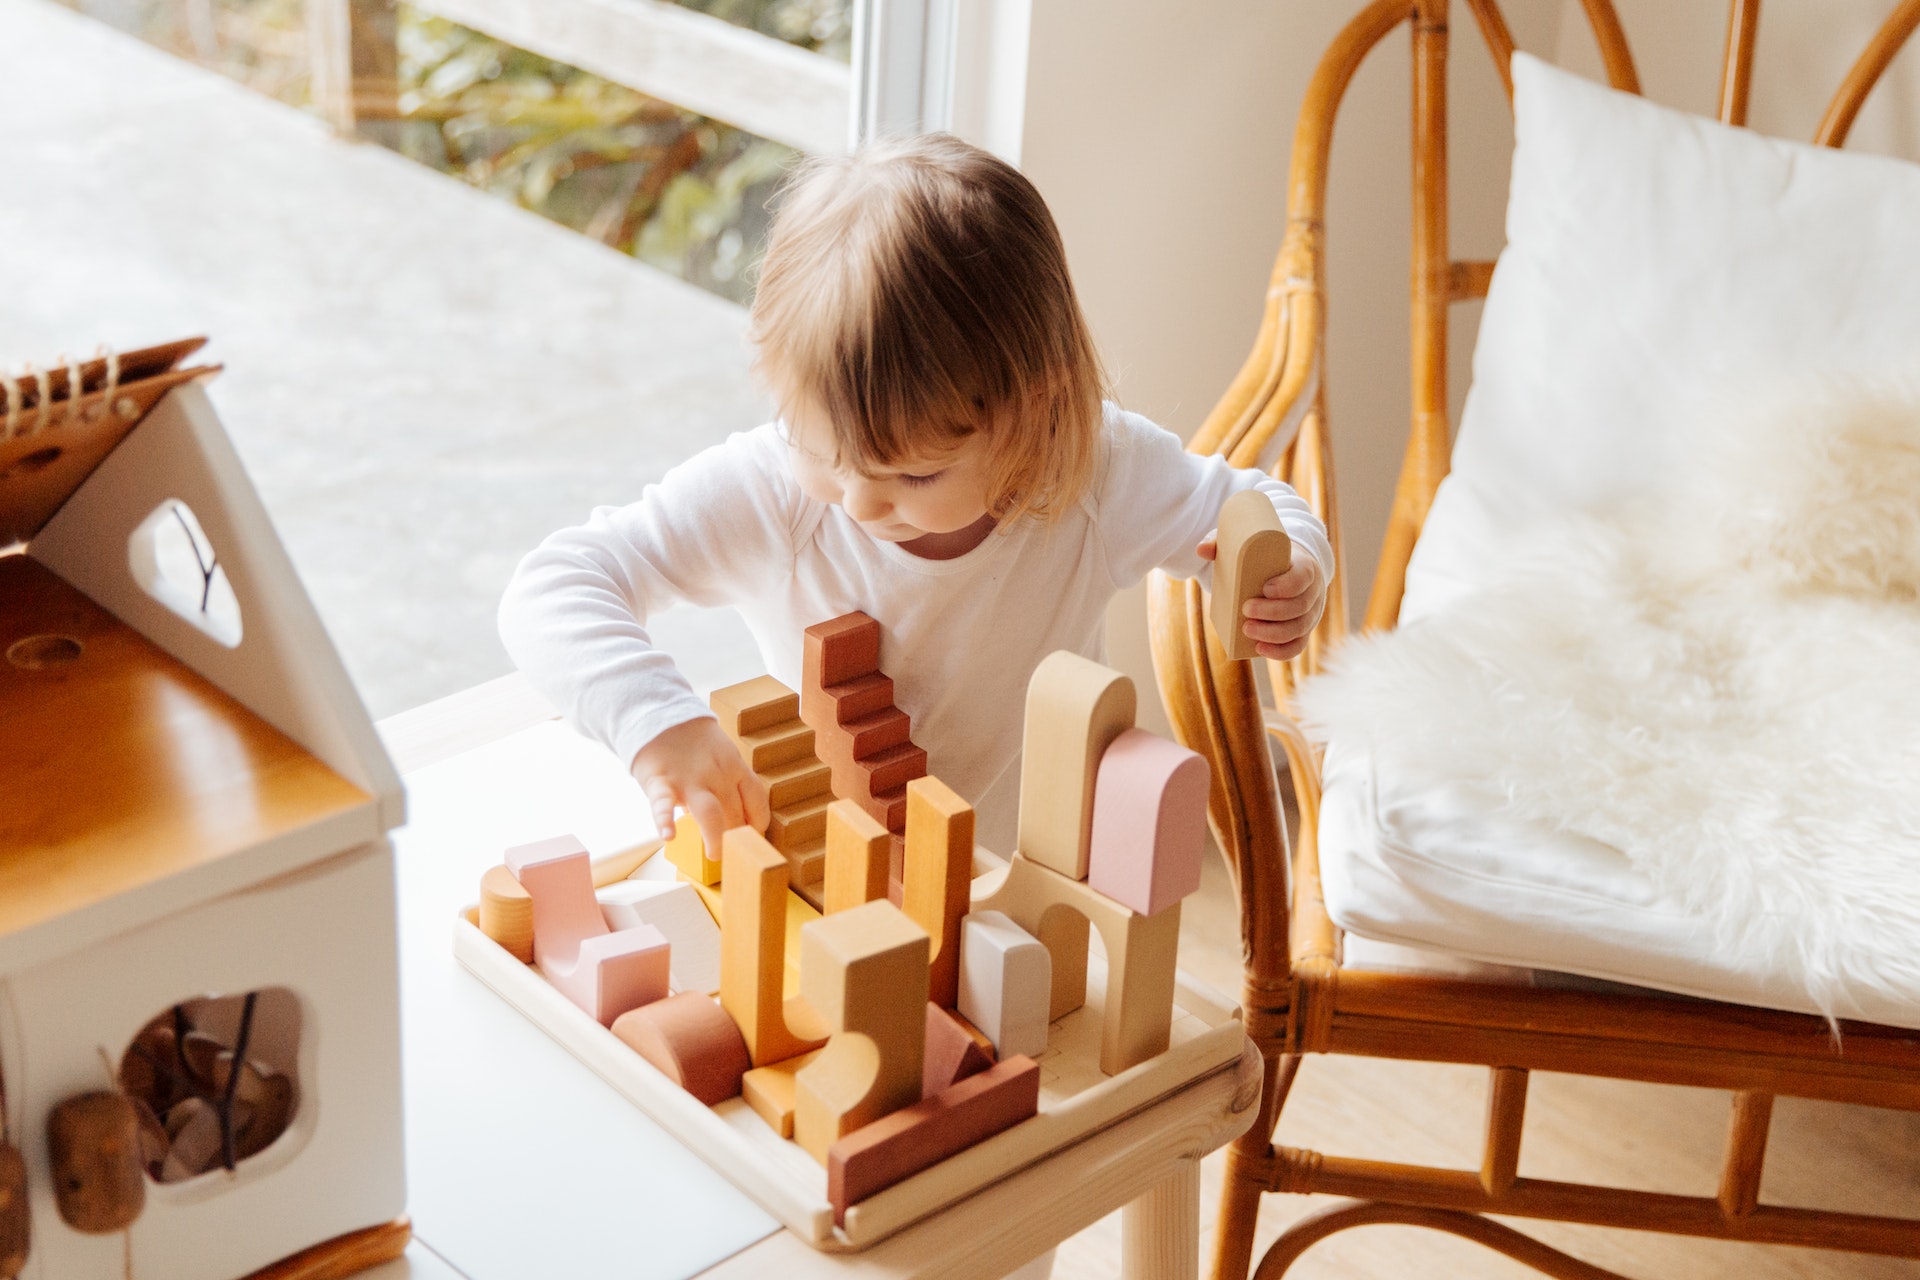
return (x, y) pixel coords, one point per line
(943, 461)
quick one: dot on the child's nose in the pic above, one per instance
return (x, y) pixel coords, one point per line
(864, 500)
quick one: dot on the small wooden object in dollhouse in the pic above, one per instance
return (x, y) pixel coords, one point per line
(931, 1023)
(1251, 547)
(195, 874)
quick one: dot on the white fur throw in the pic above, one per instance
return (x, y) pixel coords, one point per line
(1724, 687)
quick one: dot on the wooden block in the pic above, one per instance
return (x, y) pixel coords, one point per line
(789, 784)
(876, 731)
(692, 1042)
(801, 822)
(918, 1137)
(1252, 548)
(840, 650)
(603, 972)
(1006, 983)
(1065, 934)
(688, 851)
(1149, 822)
(938, 876)
(864, 972)
(888, 809)
(506, 913)
(675, 909)
(769, 1090)
(1075, 709)
(849, 700)
(952, 1053)
(710, 899)
(93, 1148)
(1140, 955)
(857, 847)
(753, 705)
(754, 909)
(800, 914)
(892, 768)
(783, 743)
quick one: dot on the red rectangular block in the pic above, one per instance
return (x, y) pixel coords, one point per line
(892, 768)
(823, 707)
(840, 650)
(895, 1147)
(953, 1054)
(889, 808)
(888, 727)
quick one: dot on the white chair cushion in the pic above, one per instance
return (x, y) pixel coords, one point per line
(1658, 267)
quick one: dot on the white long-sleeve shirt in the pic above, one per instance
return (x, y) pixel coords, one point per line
(960, 637)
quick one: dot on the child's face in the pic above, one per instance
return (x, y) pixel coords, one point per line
(941, 491)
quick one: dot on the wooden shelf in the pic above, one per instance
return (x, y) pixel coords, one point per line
(121, 766)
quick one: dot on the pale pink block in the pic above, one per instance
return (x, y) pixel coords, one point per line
(603, 972)
(1149, 822)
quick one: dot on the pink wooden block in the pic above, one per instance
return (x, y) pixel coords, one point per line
(1149, 822)
(603, 972)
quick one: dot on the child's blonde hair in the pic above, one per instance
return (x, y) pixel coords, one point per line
(917, 292)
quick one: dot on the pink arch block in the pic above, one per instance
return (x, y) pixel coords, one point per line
(604, 972)
(1149, 822)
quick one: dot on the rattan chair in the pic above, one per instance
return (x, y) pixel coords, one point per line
(1297, 998)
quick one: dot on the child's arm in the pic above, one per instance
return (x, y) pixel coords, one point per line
(714, 530)
(1158, 509)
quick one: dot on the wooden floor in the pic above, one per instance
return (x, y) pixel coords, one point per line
(1664, 1139)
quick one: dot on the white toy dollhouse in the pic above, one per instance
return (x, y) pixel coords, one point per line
(196, 888)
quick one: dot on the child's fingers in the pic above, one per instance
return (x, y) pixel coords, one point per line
(661, 800)
(1296, 581)
(753, 801)
(1277, 633)
(1282, 652)
(711, 815)
(1261, 609)
(1209, 547)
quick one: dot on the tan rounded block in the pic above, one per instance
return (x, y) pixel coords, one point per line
(506, 913)
(692, 1041)
(93, 1141)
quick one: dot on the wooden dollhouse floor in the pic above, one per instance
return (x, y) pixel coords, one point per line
(422, 380)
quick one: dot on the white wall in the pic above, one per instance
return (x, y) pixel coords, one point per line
(1159, 131)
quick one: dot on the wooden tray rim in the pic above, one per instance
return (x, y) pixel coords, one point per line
(753, 1166)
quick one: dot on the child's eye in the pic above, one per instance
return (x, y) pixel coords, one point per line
(916, 482)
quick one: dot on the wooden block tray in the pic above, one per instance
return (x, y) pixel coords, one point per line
(1076, 1100)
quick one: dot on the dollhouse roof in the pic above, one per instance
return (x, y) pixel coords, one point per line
(153, 759)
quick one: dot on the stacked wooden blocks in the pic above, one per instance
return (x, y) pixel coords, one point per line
(762, 717)
(862, 736)
(915, 1028)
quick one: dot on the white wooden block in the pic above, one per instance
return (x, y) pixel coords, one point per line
(674, 908)
(1006, 981)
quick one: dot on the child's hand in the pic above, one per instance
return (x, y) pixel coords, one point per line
(1286, 610)
(696, 766)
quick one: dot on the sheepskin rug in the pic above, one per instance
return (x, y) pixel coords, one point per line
(1724, 687)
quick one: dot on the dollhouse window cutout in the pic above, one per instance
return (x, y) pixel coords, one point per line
(197, 1114)
(175, 562)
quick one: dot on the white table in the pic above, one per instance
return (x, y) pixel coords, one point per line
(522, 1163)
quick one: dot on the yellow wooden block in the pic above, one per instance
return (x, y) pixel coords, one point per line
(769, 1090)
(799, 913)
(857, 848)
(753, 705)
(758, 908)
(865, 975)
(939, 874)
(688, 852)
